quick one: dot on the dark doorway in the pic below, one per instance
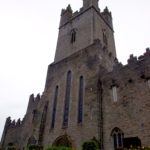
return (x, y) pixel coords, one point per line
(31, 141)
(63, 141)
(132, 142)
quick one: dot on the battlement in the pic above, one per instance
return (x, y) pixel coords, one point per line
(144, 57)
(33, 102)
(34, 99)
(67, 14)
(13, 123)
(134, 60)
(136, 69)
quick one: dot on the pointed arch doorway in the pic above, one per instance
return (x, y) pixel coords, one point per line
(63, 141)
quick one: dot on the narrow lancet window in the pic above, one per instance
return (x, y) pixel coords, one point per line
(42, 124)
(73, 36)
(105, 37)
(80, 100)
(54, 108)
(67, 100)
(114, 93)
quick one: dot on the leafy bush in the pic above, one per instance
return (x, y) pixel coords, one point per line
(90, 145)
(35, 147)
(59, 148)
(11, 148)
(140, 148)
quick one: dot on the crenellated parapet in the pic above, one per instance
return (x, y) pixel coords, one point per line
(33, 102)
(68, 14)
(134, 60)
(34, 99)
(13, 123)
(137, 69)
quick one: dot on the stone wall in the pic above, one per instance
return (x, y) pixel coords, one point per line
(84, 63)
(89, 24)
(131, 111)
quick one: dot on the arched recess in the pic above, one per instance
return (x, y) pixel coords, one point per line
(31, 141)
(118, 136)
(63, 140)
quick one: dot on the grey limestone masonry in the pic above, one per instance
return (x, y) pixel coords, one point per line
(115, 104)
(89, 24)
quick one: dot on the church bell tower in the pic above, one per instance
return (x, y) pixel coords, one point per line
(79, 29)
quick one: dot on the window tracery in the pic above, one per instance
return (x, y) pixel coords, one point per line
(118, 136)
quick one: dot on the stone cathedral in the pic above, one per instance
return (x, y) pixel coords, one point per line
(88, 93)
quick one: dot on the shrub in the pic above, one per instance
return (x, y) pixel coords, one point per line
(35, 147)
(11, 148)
(139, 148)
(59, 148)
(90, 145)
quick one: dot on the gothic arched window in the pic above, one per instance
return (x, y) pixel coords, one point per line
(42, 124)
(118, 136)
(35, 114)
(105, 40)
(114, 93)
(67, 99)
(54, 107)
(73, 35)
(80, 100)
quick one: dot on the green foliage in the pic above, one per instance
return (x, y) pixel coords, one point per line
(11, 148)
(90, 145)
(35, 147)
(59, 148)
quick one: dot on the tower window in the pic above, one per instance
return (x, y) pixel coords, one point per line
(114, 93)
(80, 101)
(54, 107)
(118, 136)
(73, 35)
(105, 40)
(67, 100)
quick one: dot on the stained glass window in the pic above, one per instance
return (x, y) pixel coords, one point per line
(80, 100)
(54, 107)
(67, 100)
(73, 36)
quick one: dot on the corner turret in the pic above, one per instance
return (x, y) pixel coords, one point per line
(66, 15)
(107, 16)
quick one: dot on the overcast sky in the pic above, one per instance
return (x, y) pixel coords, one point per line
(28, 35)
